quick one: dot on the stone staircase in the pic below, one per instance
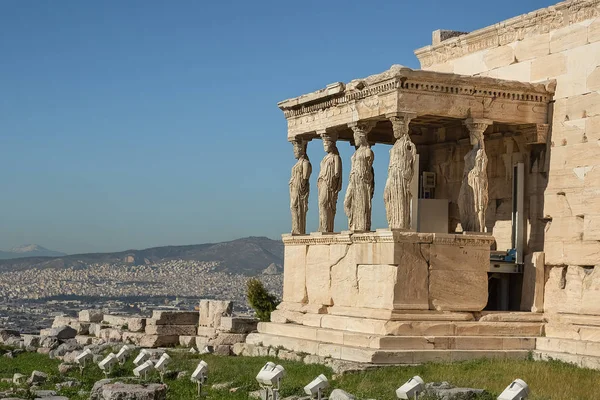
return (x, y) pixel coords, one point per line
(414, 341)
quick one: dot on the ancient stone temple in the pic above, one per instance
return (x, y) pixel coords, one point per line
(490, 196)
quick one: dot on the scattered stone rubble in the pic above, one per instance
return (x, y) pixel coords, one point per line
(445, 391)
(211, 329)
(109, 389)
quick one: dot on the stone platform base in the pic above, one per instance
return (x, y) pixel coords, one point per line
(572, 338)
(430, 337)
(581, 361)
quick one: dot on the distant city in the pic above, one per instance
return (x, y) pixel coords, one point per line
(34, 290)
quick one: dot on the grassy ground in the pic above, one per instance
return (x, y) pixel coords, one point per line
(547, 380)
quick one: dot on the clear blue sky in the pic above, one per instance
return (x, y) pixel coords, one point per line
(131, 124)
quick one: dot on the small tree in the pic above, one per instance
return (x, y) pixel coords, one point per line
(260, 300)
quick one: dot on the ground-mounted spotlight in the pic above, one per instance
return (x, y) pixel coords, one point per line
(269, 378)
(517, 390)
(161, 365)
(411, 389)
(143, 369)
(83, 358)
(200, 376)
(266, 368)
(316, 387)
(108, 363)
(124, 353)
(142, 357)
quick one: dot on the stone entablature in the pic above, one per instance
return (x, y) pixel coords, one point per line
(515, 29)
(423, 93)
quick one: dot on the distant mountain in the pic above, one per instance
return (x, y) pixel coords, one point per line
(29, 250)
(248, 256)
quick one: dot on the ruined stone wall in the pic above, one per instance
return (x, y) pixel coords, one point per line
(560, 43)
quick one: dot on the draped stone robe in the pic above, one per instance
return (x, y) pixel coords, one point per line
(299, 193)
(329, 185)
(359, 194)
(473, 195)
(397, 195)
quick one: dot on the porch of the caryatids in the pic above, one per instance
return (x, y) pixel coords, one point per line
(473, 195)
(361, 183)
(397, 194)
(329, 182)
(300, 187)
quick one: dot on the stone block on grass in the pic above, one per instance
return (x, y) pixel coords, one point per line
(161, 317)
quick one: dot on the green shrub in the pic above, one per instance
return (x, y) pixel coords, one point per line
(260, 300)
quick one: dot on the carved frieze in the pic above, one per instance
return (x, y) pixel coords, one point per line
(388, 236)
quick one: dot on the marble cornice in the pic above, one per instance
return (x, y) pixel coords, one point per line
(401, 80)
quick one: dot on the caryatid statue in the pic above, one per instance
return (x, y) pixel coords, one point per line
(329, 183)
(397, 195)
(473, 195)
(359, 194)
(300, 187)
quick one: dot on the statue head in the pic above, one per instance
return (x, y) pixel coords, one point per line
(329, 139)
(299, 148)
(476, 138)
(360, 139)
(329, 146)
(400, 128)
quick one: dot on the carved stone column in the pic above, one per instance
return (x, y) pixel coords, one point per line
(397, 195)
(300, 187)
(361, 184)
(473, 195)
(329, 182)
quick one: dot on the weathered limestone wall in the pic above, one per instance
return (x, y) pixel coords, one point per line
(560, 43)
(386, 270)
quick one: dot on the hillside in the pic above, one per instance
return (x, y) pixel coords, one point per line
(249, 256)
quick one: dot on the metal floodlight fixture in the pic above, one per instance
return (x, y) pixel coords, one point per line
(124, 353)
(264, 372)
(163, 361)
(143, 368)
(84, 357)
(517, 390)
(200, 376)
(411, 389)
(273, 377)
(142, 357)
(108, 362)
(317, 386)
(201, 372)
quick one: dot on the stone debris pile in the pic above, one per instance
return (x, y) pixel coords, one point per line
(213, 328)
